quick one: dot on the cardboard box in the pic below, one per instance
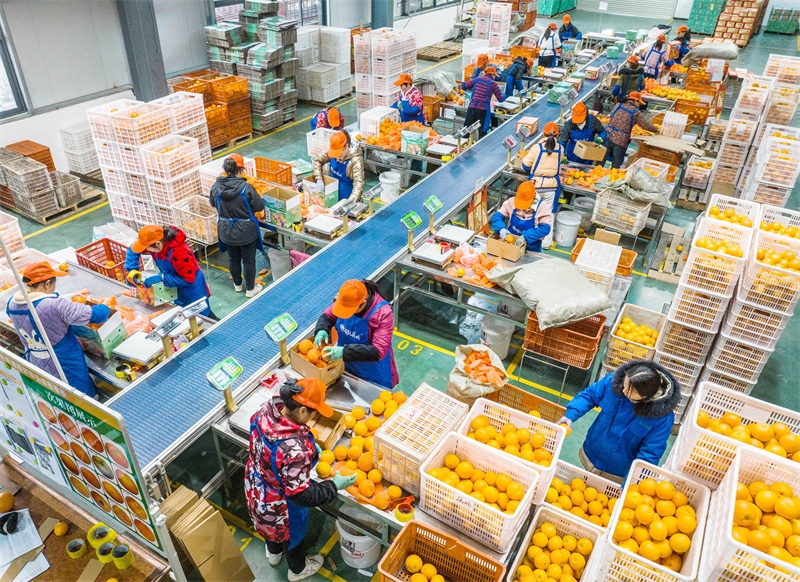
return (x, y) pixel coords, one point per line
(414, 140)
(606, 236)
(589, 150)
(329, 430)
(282, 206)
(156, 295)
(531, 122)
(500, 248)
(329, 374)
(669, 143)
(313, 194)
(102, 341)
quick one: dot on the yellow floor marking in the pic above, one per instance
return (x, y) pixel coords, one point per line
(66, 220)
(570, 252)
(329, 544)
(515, 362)
(798, 43)
(424, 344)
(540, 387)
(439, 64)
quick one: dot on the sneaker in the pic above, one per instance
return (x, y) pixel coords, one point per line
(274, 559)
(238, 288)
(313, 564)
(254, 291)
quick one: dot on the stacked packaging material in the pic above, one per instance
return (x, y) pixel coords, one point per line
(381, 56)
(79, 148)
(272, 70)
(324, 56)
(493, 23)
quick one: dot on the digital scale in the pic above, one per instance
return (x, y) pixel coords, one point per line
(222, 376)
(354, 211)
(141, 348)
(279, 330)
(455, 235)
(431, 253)
(324, 225)
(440, 149)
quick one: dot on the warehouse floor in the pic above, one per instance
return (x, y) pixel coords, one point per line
(429, 331)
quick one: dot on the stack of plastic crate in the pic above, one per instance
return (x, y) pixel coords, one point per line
(31, 187)
(6, 155)
(380, 57)
(334, 49)
(79, 148)
(782, 104)
(307, 46)
(172, 166)
(483, 14)
(187, 116)
(233, 93)
(775, 171)
(499, 25)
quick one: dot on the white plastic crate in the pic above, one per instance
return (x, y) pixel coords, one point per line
(363, 82)
(130, 159)
(772, 214)
(168, 192)
(598, 262)
(184, 109)
(384, 100)
(200, 133)
(620, 213)
(82, 162)
(738, 359)
(491, 527)
(404, 441)
(370, 121)
(197, 219)
(753, 325)
(387, 66)
(100, 118)
(697, 309)
(752, 99)
(619, 565)
(725, 173)
(318, 141)
(711, 271)
(142, 212)
(107, 153)
(362, 64)
(763, 193)
(685, 343)
(725, 381)
(788, 72)
(732, 154)
(137, 186)
(170, 157)
(750, 209)
(657, 169)
(499, 414)
(776, 130)
(565, 524)
(166, 215)
(740, 131)
(77, 137)
(716, 129)
(696, 176)
(114, 180)
(771, 286)
(141, 124)
(27, 256)
(326, 94)
(386, 45)
(567, 472)
(619, 350)
(364, 101)
(686, 373)
(362, 44)
(120, 205)
(674, 124)
(12, 233)
(383, 84)
(725, 559)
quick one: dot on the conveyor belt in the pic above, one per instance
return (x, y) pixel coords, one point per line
(165, 405)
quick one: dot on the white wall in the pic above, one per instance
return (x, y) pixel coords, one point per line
(67, 48)
(348, 13)
(663, 9)
(180, 30)
(432, 26)
(43, 128)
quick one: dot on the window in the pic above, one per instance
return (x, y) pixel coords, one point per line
(411, 7)
(11, 101)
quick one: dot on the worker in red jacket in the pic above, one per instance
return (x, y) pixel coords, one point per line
(364, 323)
(480, 105)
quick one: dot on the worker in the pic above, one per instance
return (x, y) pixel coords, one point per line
(636, 417)
(630, 79)
(277, 479)
(521, 67)
(364, 323)
(477, 70)
(176, 263)
(623, 117)
(684, 36)
(239, 206)
(57, 315)
(582, 127)
(480, 106)
(568, 30)
(347, 165)
(328, 118)
(656, 57)
(410, 102)
(550, 45)
(524, 215)
(543, 164)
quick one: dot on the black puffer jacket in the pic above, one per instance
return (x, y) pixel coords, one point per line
(231, 205)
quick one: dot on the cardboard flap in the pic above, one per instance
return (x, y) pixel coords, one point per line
(668, 143)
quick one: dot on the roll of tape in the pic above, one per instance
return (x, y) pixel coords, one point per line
(404, 512)
(77, 548)
(123, 557)
(105, 553)
(100, 534)
(122, 371)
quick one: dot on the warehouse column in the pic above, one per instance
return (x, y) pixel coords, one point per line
(143, 48)
(382, 13)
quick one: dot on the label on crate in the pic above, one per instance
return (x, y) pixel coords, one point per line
(464, 503)
(410, 413)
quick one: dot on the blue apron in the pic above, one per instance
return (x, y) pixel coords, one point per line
(222, 246)
(565, 34)
(557, 177)
(298, 516)
(339, 171)
(355, 330)
(68, 351)
(613, 129)
(653, 71)
(186, 295)
(487, 122)
(683, 50)
(420, 117)
(511, 81)
(518, 226)
(577, 135)
(553, 48)
(313, 122)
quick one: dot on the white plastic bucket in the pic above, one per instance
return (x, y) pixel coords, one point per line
(567, 223)
(584, 205)
(515, 312)
(497, 335)
(358, 550)
(391, 186)
(280, 262)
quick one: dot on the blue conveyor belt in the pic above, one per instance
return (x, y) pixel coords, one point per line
(165, 405)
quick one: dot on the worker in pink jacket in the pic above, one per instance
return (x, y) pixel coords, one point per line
(364, 323)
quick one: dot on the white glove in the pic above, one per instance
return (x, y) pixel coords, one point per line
(503, 233)
(320, 182)
(564, 420)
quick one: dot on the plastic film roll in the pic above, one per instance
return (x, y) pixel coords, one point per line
(77, 548)
(105, 553)
(123, 557)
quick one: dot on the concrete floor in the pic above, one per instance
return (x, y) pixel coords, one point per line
(429, 331)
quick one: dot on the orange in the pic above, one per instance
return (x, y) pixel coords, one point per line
(515, 491)
(464, 470)
(633, 499)
(465, 486)
(776, 537)
(627, 514)
(365, 462)
(680, 499)
(585, 546)
(665, 490)
(781, 524)
(782, 489)
(429, 570)
(548, 529)
(502, 482)
(766, 500)
(385, 395)
(477, 475)
(788, 507)
(762, 431)
(759, 539)
(757, 486)
(649, 551)
(394, 492)
(554, 571)
(790, 443)
(61, 529)
(570, 543)
(479, 485)
(360, 428)
(305, 346)
(349, 420)
(479, 421)
(658, 531)
(622, 531)
(377, 407)
(360, 476)
(780, 429)
(542, 561)
(366, 488)
(489, 493)
(353, 453)
(680, 543)
(630, 545)
(373, 423)
(413, 563)
(687, 523)
(537, 440)
(731, 419)
(507, 428)
(640, 534)
(776, 450)
(313, 355)
(358, 412)
(673, 562)
(644, 514)
(399, 397)
(665, 508)
(323, 469)
(746, 513)
(375, 476)
(702, 419)
(742, 492)
(555, 543)
(340, 453)
(793, 545)
(451, 461)
(647, 487)
(740, 534)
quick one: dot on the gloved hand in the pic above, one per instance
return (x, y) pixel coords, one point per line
(598, 140)
(318, 448)
(320, 182)
(399, 104)
(320, 338)
(150, 281)
(503, 233)
(262, 215)
(343, 482)
(333, 353)
(564, 420)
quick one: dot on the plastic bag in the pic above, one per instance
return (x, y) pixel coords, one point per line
(714, 50)
(443, 81)
(134, 320)
(461, 386)
(467, 256)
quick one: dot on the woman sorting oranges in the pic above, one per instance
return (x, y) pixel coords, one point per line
(524, 215)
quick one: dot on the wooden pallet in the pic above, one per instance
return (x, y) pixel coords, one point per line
(692, 198)
(667, 264)
(93, 178)
(91, 197)
(439, 51)
(233, 143)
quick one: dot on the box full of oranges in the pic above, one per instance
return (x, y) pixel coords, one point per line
(307, 360)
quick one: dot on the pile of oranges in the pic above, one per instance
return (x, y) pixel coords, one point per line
(421, 571)
(637, 333)
(784, 260)
(765, 517)
(656, 522)
(777, 228)
(517, 442)
(729, 215)
(551, 556)
(456, 96)
(314, 356)
(724, 246)
(390, 134)
(585, 502)
(587, 179)
(776, 438)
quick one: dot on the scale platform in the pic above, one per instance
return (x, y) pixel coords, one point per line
(431, 254)
(139, 350)
(440, 149)
(324, 225)
(454, 234)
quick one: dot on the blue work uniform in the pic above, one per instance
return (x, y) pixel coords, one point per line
(683, 50)
(532, 174)
(339, 171)
(576, 135)
(526, 228)
(355, 330)
(512, 82)
(407, 111)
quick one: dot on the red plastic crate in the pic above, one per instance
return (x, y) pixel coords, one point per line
(105, 256)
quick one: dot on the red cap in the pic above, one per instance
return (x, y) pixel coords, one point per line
(149, 235)
(313, 396)
(491, 71)
(633, 59)
(38, 272)
(238, 159)
(550, 128)
(338, 142)
(351, 295)
(404, 79)
(525, 195)
(661, 38)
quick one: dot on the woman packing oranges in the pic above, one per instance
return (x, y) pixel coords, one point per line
(635, 419)
(347, 165)
(524, 215)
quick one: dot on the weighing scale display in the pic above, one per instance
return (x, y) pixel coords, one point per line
(281, 327)
(411, 220)
(224, 374)
(433, 204)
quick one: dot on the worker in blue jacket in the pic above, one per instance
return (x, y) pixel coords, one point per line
(635, 420)
(684, 36)
(568, 30)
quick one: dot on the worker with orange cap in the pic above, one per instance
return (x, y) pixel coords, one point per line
(581, 127)
(346, 161)
(410, 102)
(550, 45)
(543, 164)
(278, 484)
(364, 323)
(684, 36)
(630, 78)
(623, 117)
(514, 73)
(656, 57)
(328, 118)
(479, 67)
(568, 30)
(480, 105)
(524, 215)
(57, 315)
